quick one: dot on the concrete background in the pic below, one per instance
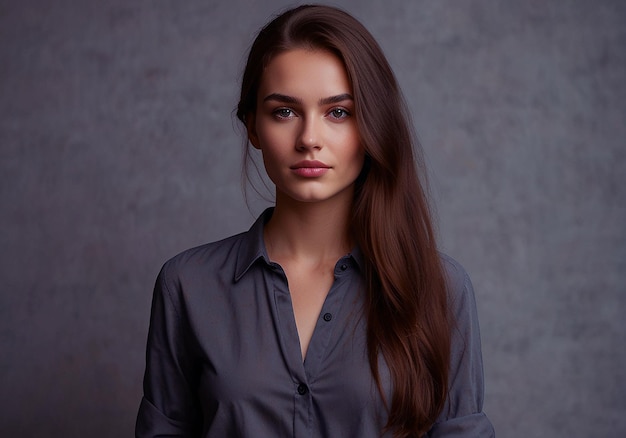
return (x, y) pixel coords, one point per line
(118, 150)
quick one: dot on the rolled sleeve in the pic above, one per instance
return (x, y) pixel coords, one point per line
(151, 422)
(467, 426)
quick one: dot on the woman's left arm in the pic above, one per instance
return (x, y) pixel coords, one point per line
(463, 414)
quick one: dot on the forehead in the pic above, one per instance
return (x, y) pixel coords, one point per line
(305, 72)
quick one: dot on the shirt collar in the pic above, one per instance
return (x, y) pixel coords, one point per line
(357, 256)
(253, 247)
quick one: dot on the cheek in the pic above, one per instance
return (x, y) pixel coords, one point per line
(360, 159)
(358, 152)
(273, 136)
(270, 166)
(273, 153)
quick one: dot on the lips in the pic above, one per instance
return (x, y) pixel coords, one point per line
(310, 168)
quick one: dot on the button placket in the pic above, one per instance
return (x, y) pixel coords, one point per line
(324, 333)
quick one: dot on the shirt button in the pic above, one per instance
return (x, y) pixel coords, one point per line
(302, 389)
(327, 317)
(344, 267)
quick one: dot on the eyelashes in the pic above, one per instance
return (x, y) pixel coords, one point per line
(337, 113)
(283, 113)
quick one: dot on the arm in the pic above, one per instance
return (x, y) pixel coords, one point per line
(462, 415)
(169, 406)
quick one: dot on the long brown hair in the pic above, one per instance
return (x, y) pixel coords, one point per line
(406, 305)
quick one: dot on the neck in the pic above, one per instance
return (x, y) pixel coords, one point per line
(309, 231)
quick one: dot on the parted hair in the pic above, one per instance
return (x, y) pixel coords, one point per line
(408, 321)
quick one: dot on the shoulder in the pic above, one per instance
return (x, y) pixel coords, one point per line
(203, 259)
(457, 278)
(198, 274)
(230, 256)
(461, 299)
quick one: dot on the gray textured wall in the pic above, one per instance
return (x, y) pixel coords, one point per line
(118, 150)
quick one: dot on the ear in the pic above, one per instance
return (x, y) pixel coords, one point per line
(251, 128)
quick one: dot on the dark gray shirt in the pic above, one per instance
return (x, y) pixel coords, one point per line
(223, 356)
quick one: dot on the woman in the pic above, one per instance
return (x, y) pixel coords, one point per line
(334, 315)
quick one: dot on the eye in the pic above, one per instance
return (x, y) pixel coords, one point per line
(339, 113)
(283, 113)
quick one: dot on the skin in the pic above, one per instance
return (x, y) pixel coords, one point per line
(305, 128)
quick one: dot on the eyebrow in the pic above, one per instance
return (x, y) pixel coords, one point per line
(282, 98)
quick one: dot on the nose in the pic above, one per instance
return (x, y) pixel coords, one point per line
(309, 137)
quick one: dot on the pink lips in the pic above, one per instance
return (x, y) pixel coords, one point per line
(310, 168)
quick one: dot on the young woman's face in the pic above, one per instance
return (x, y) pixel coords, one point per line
(305, 127)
